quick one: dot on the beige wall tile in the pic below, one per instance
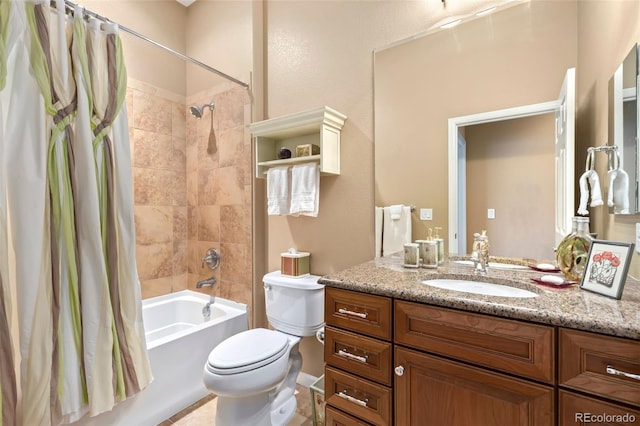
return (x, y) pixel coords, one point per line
(179, 189)
(209, 223)
(230, 186)
(154, 224)
(180, 254)
(232, 224)
(180, 282)
(156, 287)
(192, 223)
(151, 113)
(153, 187)
(180, 223)
(152, 150)
(235, 267)
(154, 260)
(179, 160)
(231, 146)
(178, 119)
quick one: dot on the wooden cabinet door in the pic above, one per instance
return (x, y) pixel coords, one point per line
(433, 391)
(575, 409)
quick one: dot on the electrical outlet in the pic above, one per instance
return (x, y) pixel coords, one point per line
(426, 214)
(491, 213)
(638, 237)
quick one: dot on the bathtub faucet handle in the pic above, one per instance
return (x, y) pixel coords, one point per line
(211, 258)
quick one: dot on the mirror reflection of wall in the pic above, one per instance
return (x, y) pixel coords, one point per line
(623, 114)
(517, 56)
(509, 168)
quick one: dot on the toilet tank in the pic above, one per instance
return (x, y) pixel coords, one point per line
(294, 305)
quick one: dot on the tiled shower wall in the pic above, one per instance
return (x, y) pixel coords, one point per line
(187, 200)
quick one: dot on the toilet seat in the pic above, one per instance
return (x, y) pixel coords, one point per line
(247, 351)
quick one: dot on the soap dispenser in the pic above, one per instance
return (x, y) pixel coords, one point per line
(429, 251)
(440, 242)
(480, 252)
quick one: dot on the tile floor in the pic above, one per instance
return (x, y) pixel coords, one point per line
(203, 412)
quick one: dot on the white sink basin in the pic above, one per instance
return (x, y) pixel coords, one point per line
(496, 265)
(479, 287)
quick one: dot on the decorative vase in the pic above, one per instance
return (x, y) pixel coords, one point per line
(572, 252)
(284, 153)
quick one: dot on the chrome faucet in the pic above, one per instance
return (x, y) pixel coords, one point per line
(209, 282)
(480, 252)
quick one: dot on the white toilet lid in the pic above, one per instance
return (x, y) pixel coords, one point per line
(246, 351)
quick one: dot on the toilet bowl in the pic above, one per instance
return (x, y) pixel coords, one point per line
(254, 373)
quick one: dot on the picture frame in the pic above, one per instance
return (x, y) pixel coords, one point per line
(607, 267)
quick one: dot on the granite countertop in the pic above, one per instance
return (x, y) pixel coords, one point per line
(569, 306)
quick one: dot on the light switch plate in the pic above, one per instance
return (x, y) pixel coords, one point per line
(638, 237)
(491, 213)
(426, 214)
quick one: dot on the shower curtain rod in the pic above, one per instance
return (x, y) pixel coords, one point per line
(88, 12)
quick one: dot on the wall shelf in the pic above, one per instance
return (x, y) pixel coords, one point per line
(321, 127)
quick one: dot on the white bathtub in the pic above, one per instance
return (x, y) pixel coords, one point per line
(179, 342)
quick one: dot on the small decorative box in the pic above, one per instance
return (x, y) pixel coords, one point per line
(294, 263)
(307, 149)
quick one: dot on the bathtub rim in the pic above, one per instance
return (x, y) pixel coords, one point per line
(231, 308)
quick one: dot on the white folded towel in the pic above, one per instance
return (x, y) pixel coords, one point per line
(378, 230)
(305, 189)
(278, 194)
(396, 211)
(596, 194)
(618, 196)
(395, 233)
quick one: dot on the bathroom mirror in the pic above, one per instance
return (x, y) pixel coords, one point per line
(514, 57)
(623, 124)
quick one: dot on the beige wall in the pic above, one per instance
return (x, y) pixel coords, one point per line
(164, 22)
(598, 58)
(510, 167)
(516, 57)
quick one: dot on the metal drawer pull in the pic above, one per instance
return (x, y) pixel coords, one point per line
(614, 372)
(399, 370)
(343, 394)
(346, 354)
(355, 314)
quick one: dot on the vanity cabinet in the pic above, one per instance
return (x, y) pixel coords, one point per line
(358, 355)
(458, 377)
(605, 368)
(394, 362)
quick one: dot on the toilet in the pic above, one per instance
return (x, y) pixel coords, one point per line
(254, 372)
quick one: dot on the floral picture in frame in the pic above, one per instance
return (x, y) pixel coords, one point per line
(607, 267)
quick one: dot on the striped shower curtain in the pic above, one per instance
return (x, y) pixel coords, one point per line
(67, 242)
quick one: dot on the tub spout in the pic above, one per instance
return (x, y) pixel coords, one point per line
(209, 282)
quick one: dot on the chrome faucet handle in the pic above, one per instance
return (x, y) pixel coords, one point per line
(211, 258)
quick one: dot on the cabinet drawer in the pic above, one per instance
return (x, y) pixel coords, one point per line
(506, 345)
(364, 356)
(363, 313)
(361, 398)
(335, 417)
(577, 409)
(601, 365)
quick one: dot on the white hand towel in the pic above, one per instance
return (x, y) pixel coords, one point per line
(596, 195)
(618, 196)
(396, 211)
(395, 233)
(278, 185)
(305, 189)
(378, 230)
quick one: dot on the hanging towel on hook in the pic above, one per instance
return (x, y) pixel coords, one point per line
(591, 176)
(618, 195)
(596, 194)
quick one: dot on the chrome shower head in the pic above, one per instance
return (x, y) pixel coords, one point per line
(197, 110)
